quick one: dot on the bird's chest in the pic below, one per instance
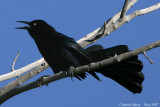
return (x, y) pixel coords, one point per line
(52, 49)
(49, 46)
(57, 55)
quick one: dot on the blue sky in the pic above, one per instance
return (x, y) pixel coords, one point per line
(76, 19)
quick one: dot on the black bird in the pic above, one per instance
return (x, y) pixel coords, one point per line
(61, 52)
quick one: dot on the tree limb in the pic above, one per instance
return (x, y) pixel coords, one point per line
(78, 70)
(143, 11)
(22, 79)
(126, 19)
(84, 41)
(20, 71)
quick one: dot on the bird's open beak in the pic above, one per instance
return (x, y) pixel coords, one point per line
(25, 27)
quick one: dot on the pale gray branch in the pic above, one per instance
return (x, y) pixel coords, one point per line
(22, 79)
(142, 12)
(20, 71)
(83, 42)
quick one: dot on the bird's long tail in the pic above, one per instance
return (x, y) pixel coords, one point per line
(127, 73)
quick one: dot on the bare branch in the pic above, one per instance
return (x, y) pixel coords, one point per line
(144, 53)
(22, 79)
(114, 23)
(124, 9)
(20, 71)
(83, 42)
(118, 24)
(143, 11)
(15, 61)
(77, 70)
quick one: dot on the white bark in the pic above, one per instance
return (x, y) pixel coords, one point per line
(20, 71)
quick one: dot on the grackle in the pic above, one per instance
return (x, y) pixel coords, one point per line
(61, 52)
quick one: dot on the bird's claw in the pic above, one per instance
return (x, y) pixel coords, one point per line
(40, 80)
(43, 64)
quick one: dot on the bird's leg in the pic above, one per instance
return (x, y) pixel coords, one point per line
(40, 80)
(71, 71)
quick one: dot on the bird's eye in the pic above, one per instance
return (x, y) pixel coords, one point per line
(34, 24)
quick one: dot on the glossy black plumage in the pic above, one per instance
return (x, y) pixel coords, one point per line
(61, 52)
(127, 73)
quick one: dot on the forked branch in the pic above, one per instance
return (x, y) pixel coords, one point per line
(124, 9)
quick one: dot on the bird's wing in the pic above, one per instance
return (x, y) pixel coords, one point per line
(80, 53)
(74, 47)
(93, 48)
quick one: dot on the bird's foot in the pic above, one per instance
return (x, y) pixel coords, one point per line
(40, 80)
(71, 71)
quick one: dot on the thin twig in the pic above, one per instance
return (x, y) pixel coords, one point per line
(15, 61)
(144, 53)
(99, 30)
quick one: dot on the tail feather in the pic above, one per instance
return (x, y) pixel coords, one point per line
(134, 76)
(127, 73)
(132, 65)
(131, 70)
(122, 80)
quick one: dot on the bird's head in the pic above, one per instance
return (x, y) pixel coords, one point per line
(36, 28)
